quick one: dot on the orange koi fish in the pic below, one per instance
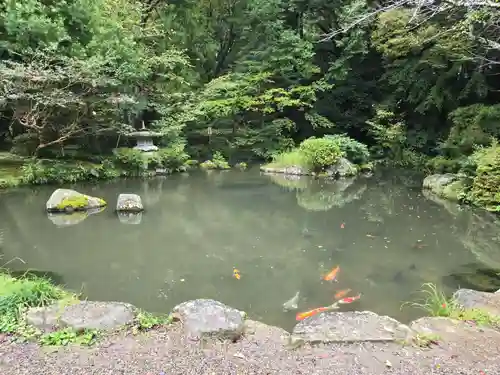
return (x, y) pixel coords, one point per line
(342, 293)
(349, 299)
(302, 316)
(236, 273)
(332, 275)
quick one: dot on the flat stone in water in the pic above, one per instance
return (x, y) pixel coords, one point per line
(206, 317)
(472, 299)
(82, 315)
(352, 326)
(129, 203)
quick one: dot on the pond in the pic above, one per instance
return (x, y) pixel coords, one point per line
(283, 234)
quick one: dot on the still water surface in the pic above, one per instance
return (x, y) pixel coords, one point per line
(282, 235)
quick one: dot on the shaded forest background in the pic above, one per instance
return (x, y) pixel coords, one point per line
(418, 82)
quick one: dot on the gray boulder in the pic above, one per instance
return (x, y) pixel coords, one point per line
(207, 317)
(82, 315)
(472, 299)
(67, 200)
(448, 185)
(129, 203)
(343, 168)
(293, 170)
(348, 327)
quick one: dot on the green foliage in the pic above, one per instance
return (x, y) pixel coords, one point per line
(435, 303)
(472, 125)
(485, 191)
(293, 158)
(132, 160)
(218, 162)
(354, 151)
(16, 295)
(321, 153)
(50, 172)
(145, 321)
(67, 336)
(441, 164)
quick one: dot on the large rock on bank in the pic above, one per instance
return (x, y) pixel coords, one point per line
(342, 168)
(129, 203)
(472, 299)
(448, 185)
(348, 327)
(82, 315)
(67, 200)
(207, 317)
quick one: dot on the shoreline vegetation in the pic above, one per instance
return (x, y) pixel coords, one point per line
(24, 299)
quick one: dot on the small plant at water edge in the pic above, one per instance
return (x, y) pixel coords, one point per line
(434, 301)
(145, 321)
(218, 162)
(68, 336)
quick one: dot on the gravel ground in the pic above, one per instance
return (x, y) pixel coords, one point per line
(261, 352)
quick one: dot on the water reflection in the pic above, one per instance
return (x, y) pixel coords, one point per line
(282, 234)
(73, 218)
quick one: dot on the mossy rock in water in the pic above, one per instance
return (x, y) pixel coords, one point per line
(447, 186)
(66, 200)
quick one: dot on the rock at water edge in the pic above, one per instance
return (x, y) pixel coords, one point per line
(343, 168)
(129, 203)
(447, 185)
(293, 170)
(472, 299)
(83, 315)
(352, 326)
(206, 317)
(67, 200)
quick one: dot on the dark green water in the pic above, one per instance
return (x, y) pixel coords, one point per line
(283, 235)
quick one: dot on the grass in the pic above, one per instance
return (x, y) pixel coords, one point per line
(289, 159)
(18, 294)
(435, 302)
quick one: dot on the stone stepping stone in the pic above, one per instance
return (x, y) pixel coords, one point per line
(82, 315)
(349, 327)
(472, 299)
(207, 317)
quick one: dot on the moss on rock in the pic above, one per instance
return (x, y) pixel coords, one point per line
(75, 203)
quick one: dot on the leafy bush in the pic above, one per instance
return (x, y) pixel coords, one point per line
(485, 190)
(218, 162)
(172, 158)
(289, 159)
(355, 151)
(441, 164)
(131, 160)
(49, 172)
(320, 153)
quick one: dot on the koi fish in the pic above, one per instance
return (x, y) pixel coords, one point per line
(332, 275)
(342, 226)
(342, 293)
(307, 314)
(349, 299)
(236, 273)
(292, 303)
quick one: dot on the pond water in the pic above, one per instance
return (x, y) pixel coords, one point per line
(282, 234)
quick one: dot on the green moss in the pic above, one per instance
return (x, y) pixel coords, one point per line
(76, 203)
(454, 191)
(241, 165)
(485, 190)
(208, 164)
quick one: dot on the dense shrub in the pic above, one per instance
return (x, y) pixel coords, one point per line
(320, 152)
(355, 151)
(485, 190)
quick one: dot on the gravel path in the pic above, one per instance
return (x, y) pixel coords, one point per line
(169, 351)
